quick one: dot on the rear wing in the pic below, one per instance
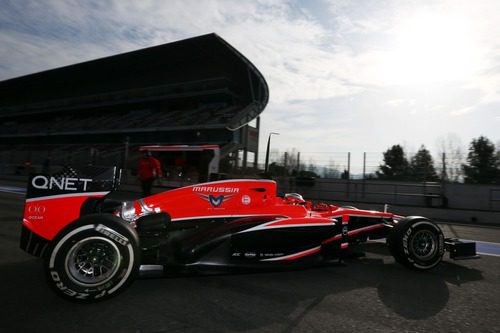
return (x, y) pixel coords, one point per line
(54, 201)
(72, 181)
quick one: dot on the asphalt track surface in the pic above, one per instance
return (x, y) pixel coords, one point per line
(366, 294)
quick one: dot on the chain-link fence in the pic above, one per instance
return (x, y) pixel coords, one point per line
(330, 165)
(367, 165)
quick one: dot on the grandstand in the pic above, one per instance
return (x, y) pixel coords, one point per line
(196, 91)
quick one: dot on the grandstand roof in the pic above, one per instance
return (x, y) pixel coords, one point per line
(201, 69)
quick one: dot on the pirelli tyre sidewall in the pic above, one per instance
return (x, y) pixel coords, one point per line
(417, 242)
(93, 258)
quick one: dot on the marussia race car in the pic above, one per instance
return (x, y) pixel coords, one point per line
(93, 247)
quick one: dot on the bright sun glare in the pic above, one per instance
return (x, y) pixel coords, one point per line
(432, 48)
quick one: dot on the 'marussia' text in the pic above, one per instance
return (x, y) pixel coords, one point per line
(213, 189)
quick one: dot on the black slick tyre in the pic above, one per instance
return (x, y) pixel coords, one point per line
(416, 242)
(93, 258)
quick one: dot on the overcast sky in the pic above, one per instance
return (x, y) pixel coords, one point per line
(343, 75)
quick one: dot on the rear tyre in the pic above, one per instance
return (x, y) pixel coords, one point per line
(416, 242)
(93, 258)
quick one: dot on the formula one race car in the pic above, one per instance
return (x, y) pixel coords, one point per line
(93, 247)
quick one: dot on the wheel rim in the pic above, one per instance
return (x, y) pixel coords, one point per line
(423, 244)
(92, 261)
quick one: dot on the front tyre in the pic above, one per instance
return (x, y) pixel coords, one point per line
(416, 242)
(93, 258)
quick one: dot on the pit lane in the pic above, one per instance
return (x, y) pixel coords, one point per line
(369, 293)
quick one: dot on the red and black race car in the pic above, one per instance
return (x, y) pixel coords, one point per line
(94, 247)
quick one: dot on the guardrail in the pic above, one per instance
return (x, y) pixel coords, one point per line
(434, 195)
(415, 194)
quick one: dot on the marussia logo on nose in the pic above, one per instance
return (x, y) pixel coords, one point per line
(215, 201)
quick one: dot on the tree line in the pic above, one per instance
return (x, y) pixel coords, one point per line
(482, 167)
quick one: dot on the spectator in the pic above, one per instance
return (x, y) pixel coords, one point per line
(149, 169)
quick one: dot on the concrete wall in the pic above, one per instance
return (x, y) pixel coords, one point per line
(478, 197)
(452, 202)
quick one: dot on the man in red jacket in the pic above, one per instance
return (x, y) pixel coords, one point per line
(149, 169)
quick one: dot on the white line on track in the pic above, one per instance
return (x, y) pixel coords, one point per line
(489, 254)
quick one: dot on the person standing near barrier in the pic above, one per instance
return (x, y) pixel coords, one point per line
(149, 169)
